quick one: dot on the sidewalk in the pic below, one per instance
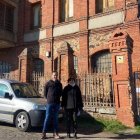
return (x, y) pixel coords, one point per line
(9, 132)
(87, 130)
(92, 133)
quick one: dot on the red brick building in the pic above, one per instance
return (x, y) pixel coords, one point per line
(74, 37)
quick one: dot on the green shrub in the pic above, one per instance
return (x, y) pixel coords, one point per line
(112, 125)
(100, 124)
(137, 128)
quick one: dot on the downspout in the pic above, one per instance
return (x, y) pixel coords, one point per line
(89, 69)
(52, 42)
(124, 11)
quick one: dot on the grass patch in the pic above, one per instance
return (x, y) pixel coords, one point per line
(112, 125)
(88, 122)
(137, 128)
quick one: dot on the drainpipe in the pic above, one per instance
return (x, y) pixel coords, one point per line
(124, 11)
(52, 68)
(89, 69)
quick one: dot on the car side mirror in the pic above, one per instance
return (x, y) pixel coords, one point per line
(8, 96)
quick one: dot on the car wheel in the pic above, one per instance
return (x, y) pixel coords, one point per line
(22, 121)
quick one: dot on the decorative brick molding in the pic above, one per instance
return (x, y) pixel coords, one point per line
(121, 48)
(74, 44)
(95, 40)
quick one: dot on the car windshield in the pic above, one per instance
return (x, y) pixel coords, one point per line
(23, 90)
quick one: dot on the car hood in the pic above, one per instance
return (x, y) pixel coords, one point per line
(41, 101)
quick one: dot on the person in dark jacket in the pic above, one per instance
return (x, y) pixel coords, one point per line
(72, 103)
(52, 92)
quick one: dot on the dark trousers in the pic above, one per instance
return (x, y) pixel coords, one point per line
(71, 120)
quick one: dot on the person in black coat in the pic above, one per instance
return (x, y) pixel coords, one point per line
(72, 103)
(52, 92)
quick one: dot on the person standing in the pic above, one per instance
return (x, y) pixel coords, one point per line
(72, 103)
(53, 92)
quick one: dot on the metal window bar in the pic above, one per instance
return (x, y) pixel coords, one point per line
(97, 91)
(76, 64)
(103, 63)
(137, 85)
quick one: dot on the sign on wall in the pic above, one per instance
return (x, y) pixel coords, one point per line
(120, 59)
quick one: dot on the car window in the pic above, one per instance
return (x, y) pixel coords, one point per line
(22, 90)
(3, 89)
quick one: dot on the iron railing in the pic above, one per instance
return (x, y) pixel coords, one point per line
(97, 91)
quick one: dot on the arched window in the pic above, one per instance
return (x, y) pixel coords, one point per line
(38, 65)
(5, 67)
(101, 62)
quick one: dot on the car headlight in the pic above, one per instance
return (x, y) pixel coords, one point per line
(39, 107)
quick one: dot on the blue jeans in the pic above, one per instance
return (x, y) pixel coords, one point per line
(52, 110)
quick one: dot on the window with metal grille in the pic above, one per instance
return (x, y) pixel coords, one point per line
(66, 10)
(101, 62)
(75, 58)
(6, 16)
(4, 67)
(38, 65)
(36, 15)
(104, 5)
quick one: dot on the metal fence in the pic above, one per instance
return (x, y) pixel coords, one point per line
(97, 92)
(10, 76)
(96, 88)
(38, 80)
(137, 88)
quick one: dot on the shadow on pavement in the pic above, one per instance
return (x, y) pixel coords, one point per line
(88, 127)
(6, 124)
(126, 136)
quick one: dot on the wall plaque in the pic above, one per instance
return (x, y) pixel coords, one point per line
(120, 59)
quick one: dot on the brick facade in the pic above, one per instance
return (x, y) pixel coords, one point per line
(86, 34)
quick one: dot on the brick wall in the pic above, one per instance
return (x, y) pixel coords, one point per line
(83, 10)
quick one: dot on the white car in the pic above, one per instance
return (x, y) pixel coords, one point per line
(20, 104)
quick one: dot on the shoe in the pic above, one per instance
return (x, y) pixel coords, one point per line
(56, 136)
(43, 137)
(75, 136)
(68, 136)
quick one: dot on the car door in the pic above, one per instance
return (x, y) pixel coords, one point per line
(6, 105)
